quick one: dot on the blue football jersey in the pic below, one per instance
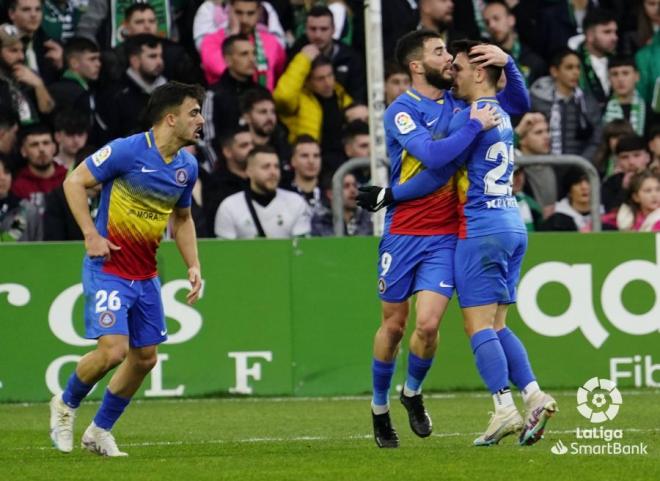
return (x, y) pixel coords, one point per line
(484, 185)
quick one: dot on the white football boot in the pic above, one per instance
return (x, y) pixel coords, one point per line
(61, 424)
(503, 422)
(100, 441)
(539, 408)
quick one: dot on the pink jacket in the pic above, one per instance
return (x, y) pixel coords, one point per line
(214, 64)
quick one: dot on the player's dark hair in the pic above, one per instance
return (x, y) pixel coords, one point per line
(135, 43)
(621, 61)
(229, 42)
(629, 143)
(559, 56)
(139, 6)
(261, 149)
(464, 46)
(71, 121)
(169, 97)
(411, 47)
(303, 139)
(499, 2)
(320, 61)
(78, 45)
(320, 11)
(252, 97)
(597, 16)
(33, 129)
(353, 129)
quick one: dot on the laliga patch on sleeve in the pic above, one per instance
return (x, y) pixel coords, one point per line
(101, 155)
(404, 122)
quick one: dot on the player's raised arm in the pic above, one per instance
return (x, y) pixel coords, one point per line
(436, 154)
(514, 98)
(75, 186)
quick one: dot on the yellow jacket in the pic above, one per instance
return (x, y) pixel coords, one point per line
(296, 105)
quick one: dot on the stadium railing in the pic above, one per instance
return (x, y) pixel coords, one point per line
(521, 160)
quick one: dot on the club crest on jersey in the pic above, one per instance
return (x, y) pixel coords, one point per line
(382, 286)
(404, 122)
(181, 176)
(107, 319)
(101, 155)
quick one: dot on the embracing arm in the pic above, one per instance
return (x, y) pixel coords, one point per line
(514, 98)
(183, 231)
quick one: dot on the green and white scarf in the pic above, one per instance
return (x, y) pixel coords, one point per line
(262, 61)
(637, 112)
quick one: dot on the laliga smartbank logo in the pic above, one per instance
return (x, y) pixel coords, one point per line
(599, 401)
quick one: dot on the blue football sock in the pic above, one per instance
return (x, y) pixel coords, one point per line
(75, 391)
(520, 371)
(490, 359)
(417, 369)
(110, 410)
(382, 373)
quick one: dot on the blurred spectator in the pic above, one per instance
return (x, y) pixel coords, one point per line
(438, 16)
(541, 181)
(258, 113)
(399, 17)
(20, 87)
(61, 18)
(573, 212)
(654, 146)
(397, 81)
(631, 158)
(501, 23)
(558, 22)
(641, 210)
(355, 139)
(76, 90)
(229, 178)
(71, 133)
(342, 18)
(625, 102)
(306, 167)
(19, 219)
(357, 221)
(263, 210)
(600, 42)
(347, 65)
(110, 23)
(309, 101)
(124, 107)
(269, 53)
(58, 221)
(574, 116)
(605, 158)
(142, 18)
(41, 174)
(221, 106)
(213, 15)
(648, 22)
(649, 72)
(530, 211)
(42, 54)
(8, 131)
(356, 111)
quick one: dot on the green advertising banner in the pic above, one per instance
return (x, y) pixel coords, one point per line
(298, 318)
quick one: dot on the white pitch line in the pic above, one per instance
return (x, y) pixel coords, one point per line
(300, 439)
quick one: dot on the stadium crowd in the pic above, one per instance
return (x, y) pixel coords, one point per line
(286, 103)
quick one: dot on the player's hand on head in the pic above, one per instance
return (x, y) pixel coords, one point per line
(374, 198)
(487, 115)
(488, 54)
(195, 278)
(98, 246)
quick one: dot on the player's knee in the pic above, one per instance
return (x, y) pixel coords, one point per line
(427, 331)
(147, 362)
(114, 356)
(394, 330)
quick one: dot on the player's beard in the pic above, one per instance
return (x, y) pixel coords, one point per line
(434, 77)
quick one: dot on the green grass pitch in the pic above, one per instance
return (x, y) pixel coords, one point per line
(321, 439)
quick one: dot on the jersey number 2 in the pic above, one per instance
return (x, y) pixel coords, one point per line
(499, 153)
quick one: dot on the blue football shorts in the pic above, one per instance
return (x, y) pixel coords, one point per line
(114, 305)
(408, 264)
(488, 268)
